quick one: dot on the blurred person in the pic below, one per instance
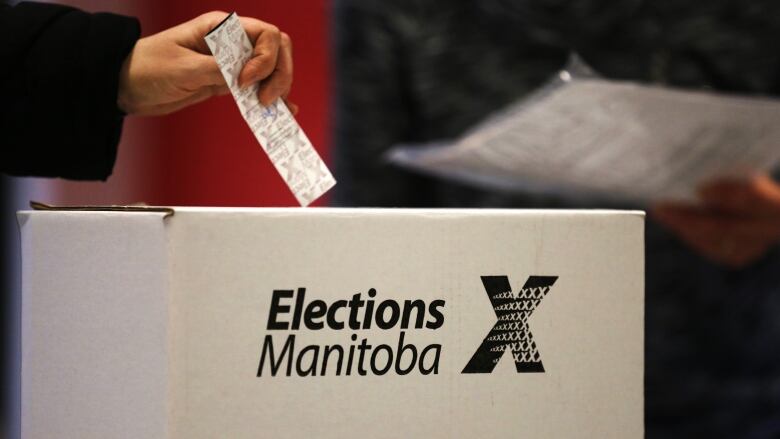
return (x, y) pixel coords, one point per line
(417, 71)
(69, 78)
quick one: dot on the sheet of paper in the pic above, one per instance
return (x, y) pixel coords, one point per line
(275, 128)
(615, 139)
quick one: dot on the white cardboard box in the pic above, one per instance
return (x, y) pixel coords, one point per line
(139, 326)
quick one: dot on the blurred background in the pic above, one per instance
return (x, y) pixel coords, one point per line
(204, 155)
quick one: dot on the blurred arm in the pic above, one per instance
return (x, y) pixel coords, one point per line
(174, 69)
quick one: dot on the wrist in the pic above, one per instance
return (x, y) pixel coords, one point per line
(126, 101)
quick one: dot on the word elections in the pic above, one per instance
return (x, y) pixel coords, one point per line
(290, 311)
(355, 313)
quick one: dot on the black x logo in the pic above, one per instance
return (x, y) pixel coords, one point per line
(511, 329)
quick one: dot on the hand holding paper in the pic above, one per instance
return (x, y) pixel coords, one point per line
(174, 68)
(618, 140)
(737, 222)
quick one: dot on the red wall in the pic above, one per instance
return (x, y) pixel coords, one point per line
(206, 154)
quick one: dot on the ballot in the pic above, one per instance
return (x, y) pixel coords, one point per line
(274, 126)
(609, 139)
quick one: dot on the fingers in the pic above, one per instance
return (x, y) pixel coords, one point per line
(280, 81)
(268, 41)
(192, 33)
(758, 196)
(200, 96)
(271, 64)
(194, 98)
(177, 69)
(726, 250)
(733, 242)
(738, 222)
(717, 223)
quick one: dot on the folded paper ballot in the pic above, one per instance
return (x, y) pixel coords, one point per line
(618, 140)
(274, 126)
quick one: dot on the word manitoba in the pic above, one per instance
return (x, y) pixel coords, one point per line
(290, 311)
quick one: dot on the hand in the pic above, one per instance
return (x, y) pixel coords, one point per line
(736, 224)
(174, 68)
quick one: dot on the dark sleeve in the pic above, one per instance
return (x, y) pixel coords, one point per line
(58, 90)
(372, 106)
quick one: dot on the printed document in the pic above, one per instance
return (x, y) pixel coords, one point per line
(620, 140)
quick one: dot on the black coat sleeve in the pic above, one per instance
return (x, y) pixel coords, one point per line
(59, 73)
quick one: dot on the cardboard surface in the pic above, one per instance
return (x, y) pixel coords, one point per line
(135, 326)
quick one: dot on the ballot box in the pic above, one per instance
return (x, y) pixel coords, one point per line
(192, 323)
